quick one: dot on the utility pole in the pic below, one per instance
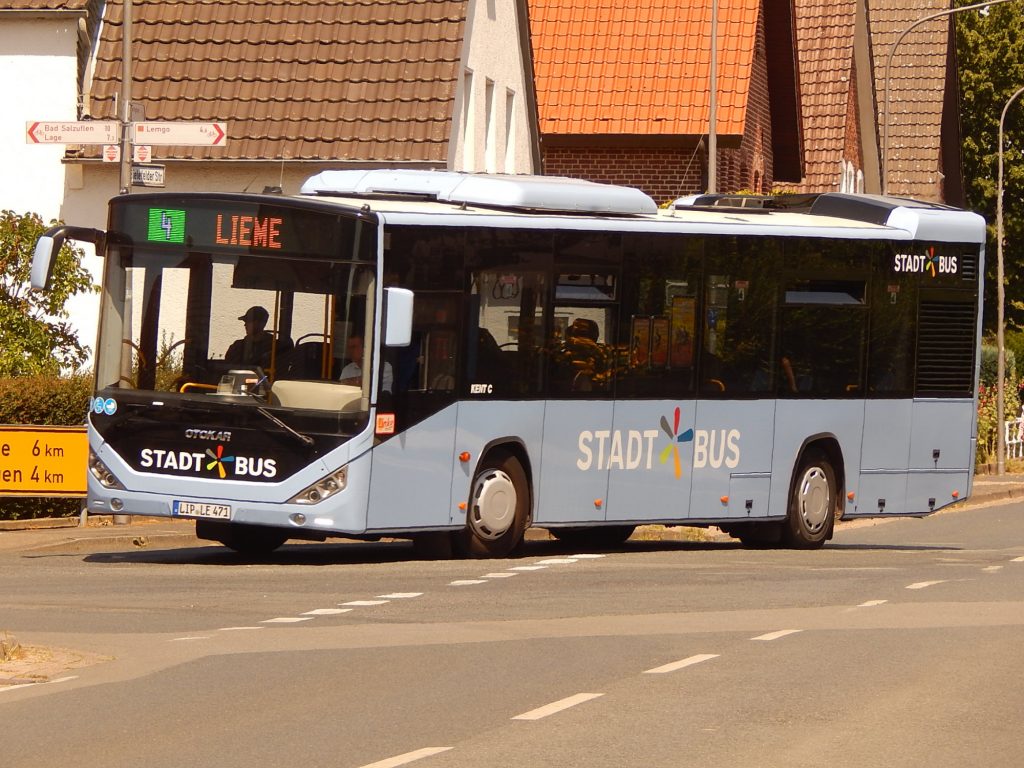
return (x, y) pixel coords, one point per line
(713, 104)
(124, 185)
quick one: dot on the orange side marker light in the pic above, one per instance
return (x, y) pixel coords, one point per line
(464, 456)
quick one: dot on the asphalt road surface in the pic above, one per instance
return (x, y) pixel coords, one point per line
(898, 644)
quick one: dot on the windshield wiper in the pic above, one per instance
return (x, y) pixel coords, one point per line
(306, 439)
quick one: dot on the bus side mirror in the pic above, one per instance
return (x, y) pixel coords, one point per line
(397, 317)
(50, 242)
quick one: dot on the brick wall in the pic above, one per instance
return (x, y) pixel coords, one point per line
(668, 173)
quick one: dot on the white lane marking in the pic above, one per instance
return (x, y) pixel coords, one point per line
(1017, 560)
(402, 596)
(558, 561)
(688, 662)
(408, 757)
(466, 582)
(528, 568)
(557, 706)
(237, 629)
(872, 603)
(287, 620)
(776, 635)
(326, 611)
(4, 688)
(194, 637)
(923, 584)
(586, 556)
(362, 603)
(992, 568)
(502, 575)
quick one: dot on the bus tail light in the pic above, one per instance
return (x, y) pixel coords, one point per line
(320, 490)
(100, 471)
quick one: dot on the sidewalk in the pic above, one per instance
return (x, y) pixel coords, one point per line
(67, 535)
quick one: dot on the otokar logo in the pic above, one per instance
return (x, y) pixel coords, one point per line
(633, 449)
(209, 462)
(929, 262)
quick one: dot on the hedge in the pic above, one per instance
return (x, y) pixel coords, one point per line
(44, 401)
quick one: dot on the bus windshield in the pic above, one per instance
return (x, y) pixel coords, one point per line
(247, 307)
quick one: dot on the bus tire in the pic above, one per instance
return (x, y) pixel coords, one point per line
(497, 511)
(249, 540)
(601, 536)
(812, 503)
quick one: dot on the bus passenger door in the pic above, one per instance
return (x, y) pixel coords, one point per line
(574, 474)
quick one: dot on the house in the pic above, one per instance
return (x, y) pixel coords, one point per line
(844, 48)
(43, 47)
(623, 93)
(303, 86)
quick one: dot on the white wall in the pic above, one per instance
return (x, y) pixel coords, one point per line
(493, 67)
(38, 76)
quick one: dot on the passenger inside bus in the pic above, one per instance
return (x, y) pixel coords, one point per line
(352, 373)
(257, 346)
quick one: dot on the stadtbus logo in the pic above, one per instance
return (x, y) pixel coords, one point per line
(633, 449)
(928, 262)
(235, 467)
(218, 460)
(675, 438)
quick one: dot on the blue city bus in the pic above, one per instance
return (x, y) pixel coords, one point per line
(454, 358)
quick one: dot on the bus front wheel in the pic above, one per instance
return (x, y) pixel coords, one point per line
(812, 505)
(496, 515)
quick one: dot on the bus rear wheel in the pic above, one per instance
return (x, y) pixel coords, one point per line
(249, 540)
(812, 505)
(499, 505)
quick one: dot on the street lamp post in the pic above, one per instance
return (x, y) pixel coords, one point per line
(888, 64)
(1000, 298)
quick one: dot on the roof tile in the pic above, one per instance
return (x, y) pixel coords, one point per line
(587, 50)
(302, 79)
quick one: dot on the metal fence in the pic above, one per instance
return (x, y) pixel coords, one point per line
(1013, 435)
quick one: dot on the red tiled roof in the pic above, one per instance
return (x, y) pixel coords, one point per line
(640, 66)
(43, 5)
(917, 80)
(825, 33)
(359, 80)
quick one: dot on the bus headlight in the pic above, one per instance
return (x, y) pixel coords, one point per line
(102, 474)
(320, 490)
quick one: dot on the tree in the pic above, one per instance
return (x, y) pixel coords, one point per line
(990, 53)
(35, 335)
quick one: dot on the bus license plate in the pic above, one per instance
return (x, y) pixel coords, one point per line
(201, 509)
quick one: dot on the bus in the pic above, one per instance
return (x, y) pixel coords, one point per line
(454, 358)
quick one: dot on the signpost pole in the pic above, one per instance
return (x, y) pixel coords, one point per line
(125, 182)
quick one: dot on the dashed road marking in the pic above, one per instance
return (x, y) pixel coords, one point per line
(992, 568)
(192, 637)
(528, 568)
(237, 629)
(408, 757)
(558, 561)
(466, 582)
(687, 662)
(363, 603)
(1017, 560)
(502, 575)
(923, 584)
(287, 620)
(776, 635)
(402, 596)
(872, 603)
(326, 611)
(586, 556)
(557, 706)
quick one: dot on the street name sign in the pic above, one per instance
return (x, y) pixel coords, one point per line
(72, 132)
(150, 175)
(181, 134)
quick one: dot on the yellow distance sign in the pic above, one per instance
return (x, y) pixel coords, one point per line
(43, 461)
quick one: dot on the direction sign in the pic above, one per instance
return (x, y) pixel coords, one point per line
(148, 175)
(72, 132)
(181, 133)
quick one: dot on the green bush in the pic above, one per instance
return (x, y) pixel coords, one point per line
(44, 401)
(990, 363)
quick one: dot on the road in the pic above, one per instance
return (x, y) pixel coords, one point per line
(898, 644)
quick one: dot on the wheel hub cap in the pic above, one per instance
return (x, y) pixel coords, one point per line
(814, 498)
(494, 504)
